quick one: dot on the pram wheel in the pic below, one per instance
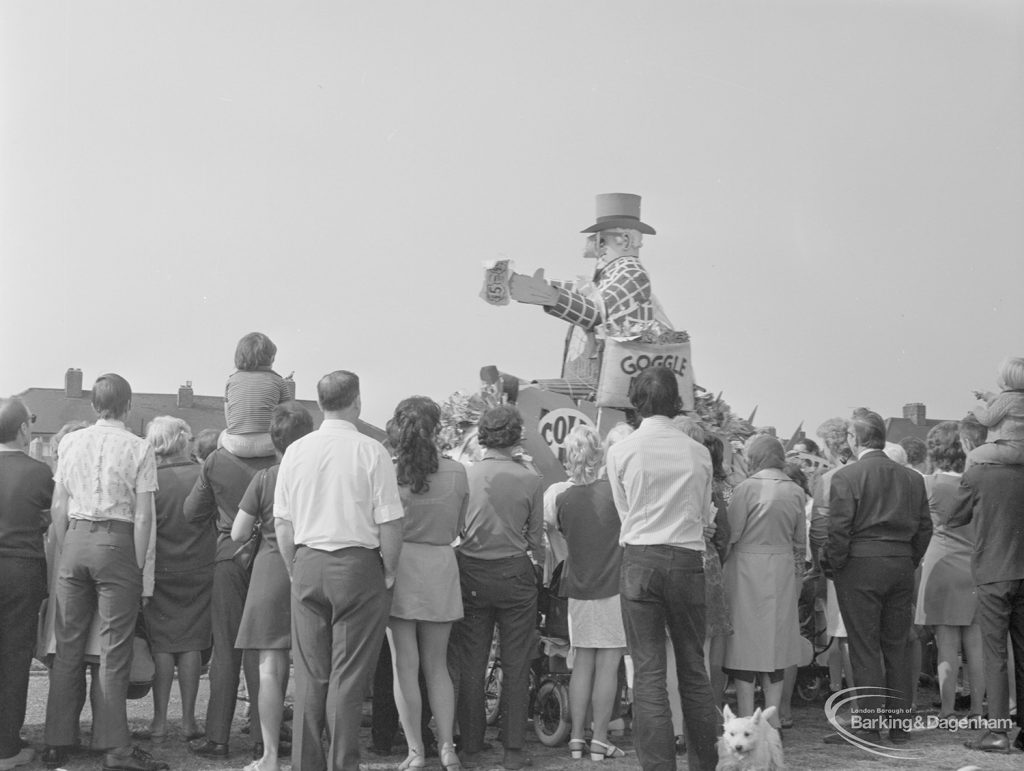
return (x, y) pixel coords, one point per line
(551, 713)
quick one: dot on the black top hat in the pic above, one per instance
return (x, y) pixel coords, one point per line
(619, 210)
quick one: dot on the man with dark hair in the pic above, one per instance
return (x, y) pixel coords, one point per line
(219, 489)
(661, 482)
(878, 530)
(338, 518)
(917, 453)
(104, 524)
(992, 496)
(26, 488)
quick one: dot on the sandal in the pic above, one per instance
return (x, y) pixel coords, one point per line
(415, 759)
(147, 735)
(577, 747)
(449, 758)
(604, 751)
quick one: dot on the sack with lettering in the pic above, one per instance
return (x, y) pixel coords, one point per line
(625, 359)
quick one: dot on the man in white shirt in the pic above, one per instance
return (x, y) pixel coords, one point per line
(661, 482)
(338, 519)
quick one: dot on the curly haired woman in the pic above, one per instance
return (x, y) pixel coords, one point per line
(427, 598)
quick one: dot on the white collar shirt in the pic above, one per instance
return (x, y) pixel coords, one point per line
(104, 468)
(337, 486)
(661, 483)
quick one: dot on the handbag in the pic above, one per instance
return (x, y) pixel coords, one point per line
(556, 623)
(245, 555)
(143, 669)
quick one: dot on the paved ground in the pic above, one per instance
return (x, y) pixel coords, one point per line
(935, 749)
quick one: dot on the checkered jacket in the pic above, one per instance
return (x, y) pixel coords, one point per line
(626, 291)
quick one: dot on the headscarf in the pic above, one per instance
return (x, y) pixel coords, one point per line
(764, 451)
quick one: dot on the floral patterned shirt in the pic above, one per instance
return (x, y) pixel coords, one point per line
(104, 467)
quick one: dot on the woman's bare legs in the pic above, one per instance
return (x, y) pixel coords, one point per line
(970, 639)
(190, 665)
(273, 684)
(162, 679)
(405, 661)
(947, 643)
(772, 697)
(605, 688)
(433, 648)
(581, 686)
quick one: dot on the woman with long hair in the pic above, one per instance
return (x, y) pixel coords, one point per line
(427, 597)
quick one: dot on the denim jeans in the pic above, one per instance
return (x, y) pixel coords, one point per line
(663, 587)
(502, 591)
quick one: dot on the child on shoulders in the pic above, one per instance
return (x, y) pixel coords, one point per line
(250, 396)
(1003, 414)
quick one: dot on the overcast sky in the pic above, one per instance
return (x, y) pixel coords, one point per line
(838, 189)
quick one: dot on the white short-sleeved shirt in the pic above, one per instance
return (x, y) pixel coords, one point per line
(337, 486)
(104, 467)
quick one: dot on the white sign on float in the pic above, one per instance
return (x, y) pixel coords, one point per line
(554, 427)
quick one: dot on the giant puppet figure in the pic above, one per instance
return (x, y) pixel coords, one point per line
(617, 302)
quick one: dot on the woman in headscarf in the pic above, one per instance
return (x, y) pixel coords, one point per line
(765, 560)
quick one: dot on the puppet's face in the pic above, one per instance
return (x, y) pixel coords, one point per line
(609, 245)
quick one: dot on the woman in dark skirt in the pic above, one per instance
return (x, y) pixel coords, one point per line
(266, 620)
(178, 615)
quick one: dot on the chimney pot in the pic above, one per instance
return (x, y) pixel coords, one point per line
(915, 413)
(185, 394)
(73, 383)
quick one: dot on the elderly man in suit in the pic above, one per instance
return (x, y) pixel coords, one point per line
(879, 527)
(992, 496)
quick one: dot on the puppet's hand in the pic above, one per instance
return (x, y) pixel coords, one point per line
(532, 289)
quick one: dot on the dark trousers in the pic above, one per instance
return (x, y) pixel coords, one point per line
(98, 573)
(659, 587)
(24, 587)
(875, 598)
(230, 586)
(502, 591)
(339, 614)
(1001, 611)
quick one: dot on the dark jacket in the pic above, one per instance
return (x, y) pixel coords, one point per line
(877, 508)
(993, 497)
(222, 482)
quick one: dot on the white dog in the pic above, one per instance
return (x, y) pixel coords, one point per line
(750, 743)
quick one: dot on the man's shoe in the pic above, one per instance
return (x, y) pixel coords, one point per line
(25, 755)
(469, 759)
(865, 736)
(136, 760)
(212, 750)
(899, 735)
(516, 759)
(55, 756)
(991, 741)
